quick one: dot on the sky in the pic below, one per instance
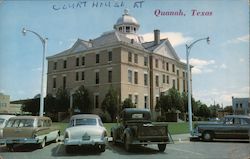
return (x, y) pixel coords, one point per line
(221, 68)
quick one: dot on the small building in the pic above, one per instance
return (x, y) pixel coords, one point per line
(241, 105)
(6, 107)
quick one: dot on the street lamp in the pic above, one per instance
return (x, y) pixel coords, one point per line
(44, 42)
(188, 48)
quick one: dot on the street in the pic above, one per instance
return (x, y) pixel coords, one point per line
(180, 149)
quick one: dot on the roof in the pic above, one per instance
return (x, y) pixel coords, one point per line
(79, 116)
(238, 116)
(30, 117)
(127, 19)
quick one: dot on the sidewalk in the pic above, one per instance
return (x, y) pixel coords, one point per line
(181, 137)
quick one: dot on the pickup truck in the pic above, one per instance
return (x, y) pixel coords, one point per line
(232, 127)
(135, 127)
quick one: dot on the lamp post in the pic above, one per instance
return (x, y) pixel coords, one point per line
(188, 48)
(44, 43)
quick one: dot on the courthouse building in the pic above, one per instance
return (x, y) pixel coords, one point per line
(119, 58)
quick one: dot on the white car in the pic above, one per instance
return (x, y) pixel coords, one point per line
(3, 121)
(85, 129)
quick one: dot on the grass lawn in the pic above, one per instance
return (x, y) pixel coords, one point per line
(174, 128)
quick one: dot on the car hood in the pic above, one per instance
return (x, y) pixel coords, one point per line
(78, 131)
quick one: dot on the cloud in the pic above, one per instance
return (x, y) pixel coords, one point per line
(244, 38)
(242, 60)
(220, 96)
(175, 38)
(200, 66)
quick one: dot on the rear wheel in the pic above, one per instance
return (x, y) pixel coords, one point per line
(42, 144)
(10, 147)
(114, 138)
(207, 136)
(162, 147)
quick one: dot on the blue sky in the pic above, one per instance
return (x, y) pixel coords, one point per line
(221, 69)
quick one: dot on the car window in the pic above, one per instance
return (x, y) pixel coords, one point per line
(40, 123)
(236, 121)
(86, 121)
(229, 121)
(10, 123)
(1, 122)
(29, 123)
(243, 122)
(100, 122)
(16, 123)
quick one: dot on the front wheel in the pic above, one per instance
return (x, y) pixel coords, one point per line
(207, 136)
(127, 145)
(162, 147)
(102, 148)
(10, 147)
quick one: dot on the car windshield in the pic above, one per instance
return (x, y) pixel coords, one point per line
(85, 121)
(1, 122)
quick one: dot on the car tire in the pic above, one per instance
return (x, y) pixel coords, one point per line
(10, 147)
(102, 148)
(127, 145)
(57, 138)
(162, 147)
(42, 144)
(114, 138)
(207, 136)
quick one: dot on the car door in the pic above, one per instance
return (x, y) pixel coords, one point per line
(243, 129)
(227, 129)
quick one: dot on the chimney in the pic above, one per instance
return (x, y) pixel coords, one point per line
(157, 37)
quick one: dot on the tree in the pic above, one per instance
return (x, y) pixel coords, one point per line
(110, 103)
(127, 103)
(81, 100)
(50, 104)
(228, 109)
(62, 100)
(203, 111)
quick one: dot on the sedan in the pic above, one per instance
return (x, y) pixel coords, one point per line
(85, 129)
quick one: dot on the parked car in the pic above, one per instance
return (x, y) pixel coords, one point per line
(136, 128)
(3, 121)
(83, 130)
(29, 130)
(232, 127)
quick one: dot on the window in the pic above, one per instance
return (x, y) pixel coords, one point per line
(77, 76)
(127, 29)
(167, 79)
(178, 73)
(173, 83)
(129, 76)
(65, 64)
(163, 79)
(130, 96)
(183, 74)
(173, 67)
(110, 76)
(77, 61)
(145, 102)
(96, 101)
(97, 78)
(145, 61)
(54, 82)
(83, 60)
(55, 65)
(136, 77)
(129, 56)
(184, 86)
(120, 28)
(157, 81)
(83, 75)
(135, 58)
(110, 55)
(136, 99)
(145, 79)
(156, 63)
(64, 82)
(167, 67)
(241, 105)
(163, 65)
(156, 99)
(178, 84)
(97, 58)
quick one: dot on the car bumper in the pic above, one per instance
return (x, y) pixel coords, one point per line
(19, 141)
(85, 142)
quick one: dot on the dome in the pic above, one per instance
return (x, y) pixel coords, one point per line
(127, 21)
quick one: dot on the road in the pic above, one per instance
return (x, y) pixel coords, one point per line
(180, 150)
